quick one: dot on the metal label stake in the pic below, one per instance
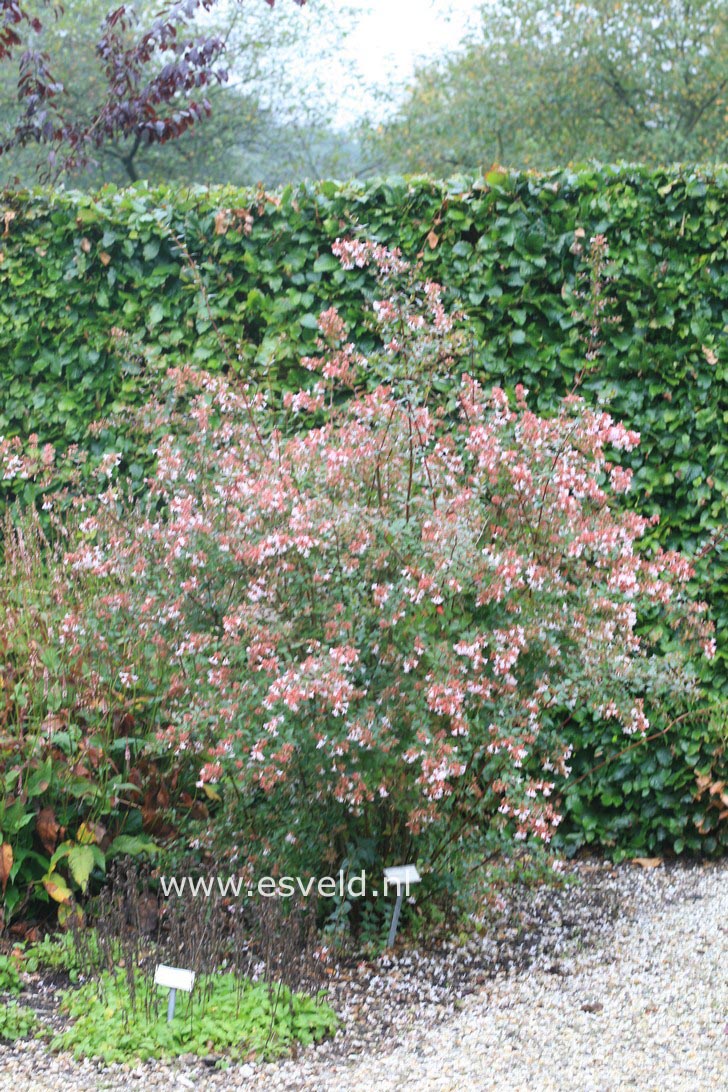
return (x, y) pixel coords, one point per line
(395, 918)
(400, 877)
(174, 978)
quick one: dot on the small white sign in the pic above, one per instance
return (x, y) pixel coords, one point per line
(174, 978)
(402, 875)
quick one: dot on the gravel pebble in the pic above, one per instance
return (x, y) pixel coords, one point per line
(618, 983)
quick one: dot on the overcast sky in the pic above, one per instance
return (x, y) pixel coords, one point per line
(357, 72)
(386, 41)
(392, 34)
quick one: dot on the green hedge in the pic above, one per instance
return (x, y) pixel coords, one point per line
(73, 267)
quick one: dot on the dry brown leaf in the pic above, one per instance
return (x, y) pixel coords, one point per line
(47, 826)
(433, 239)
(6, 863)
(647, 862)
(85, 245)
(54, 722)
(25, 931)
(222, 221)
(90, 833)
(8, 217)
(245, 218)
(104, 258)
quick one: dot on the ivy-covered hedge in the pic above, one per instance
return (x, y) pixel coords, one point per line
(77, 270)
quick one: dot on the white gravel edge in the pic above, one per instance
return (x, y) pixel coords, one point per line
(649, 1012)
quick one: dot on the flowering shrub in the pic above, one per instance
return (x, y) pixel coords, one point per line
(361, 616)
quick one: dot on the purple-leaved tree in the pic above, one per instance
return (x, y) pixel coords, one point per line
(155, 80)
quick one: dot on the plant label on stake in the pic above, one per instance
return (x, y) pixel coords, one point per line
(173, 978)
(400, 877)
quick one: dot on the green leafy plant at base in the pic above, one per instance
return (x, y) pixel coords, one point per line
(61, 952)
(223, 1015)
(16, 1021)
(9, 975)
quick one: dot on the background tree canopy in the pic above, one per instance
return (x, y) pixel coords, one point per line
(544, 84)
(208, 91)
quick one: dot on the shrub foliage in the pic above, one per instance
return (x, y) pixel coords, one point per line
(362, 616)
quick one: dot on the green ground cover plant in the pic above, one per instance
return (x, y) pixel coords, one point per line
(222, 1016)
(16, 1021)
(115, 1013)
(61, 951)
(10, 981)
(257, 989)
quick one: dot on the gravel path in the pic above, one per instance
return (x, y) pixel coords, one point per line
(619, 983)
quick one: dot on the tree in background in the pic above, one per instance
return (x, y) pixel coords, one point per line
(278, 62)
(90, 90)
(546, 83)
